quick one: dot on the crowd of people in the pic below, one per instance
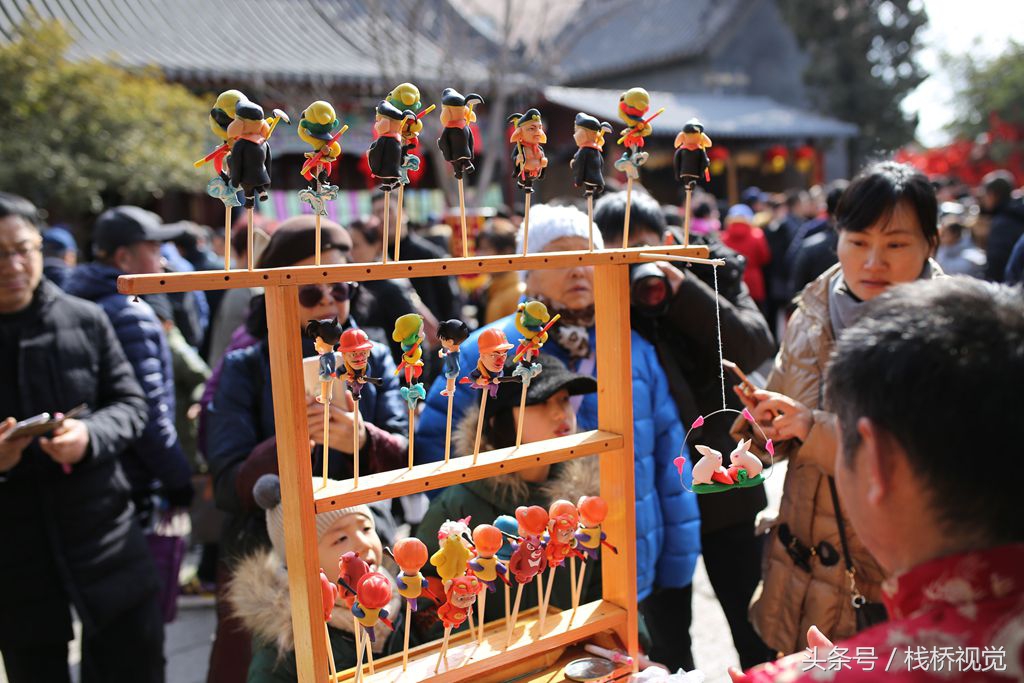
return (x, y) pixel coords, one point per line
(870, 295)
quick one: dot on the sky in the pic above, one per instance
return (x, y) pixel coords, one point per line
(984, 26)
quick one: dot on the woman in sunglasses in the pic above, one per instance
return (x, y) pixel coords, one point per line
(240, 431)
(887, 225)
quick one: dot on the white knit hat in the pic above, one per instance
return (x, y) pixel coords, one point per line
(267, 493)
(549, 223)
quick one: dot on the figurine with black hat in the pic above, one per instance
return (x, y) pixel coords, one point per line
(691, 163)
(588, 162)
(385, 155)
(407, 97)
(456, 143)
(219, 187)
(528, 158)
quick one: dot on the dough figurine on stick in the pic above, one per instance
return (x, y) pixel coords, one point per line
(690, 163)
(489, 373)
(450, 334)
(325, 335)
(250, 156)
(588, 162)
(320, 128)
(633, 105)
(409, 333)
(355, 348)
(221, 116)
(373, 593)
(385, 156)
(410, 555)
(456, 144)
(486, 566)
(528, 159)
(562, 522)
(458, 606)
(406, 96)
(509, 528)
(351, 568)
(329, 592)
(527, 560)
(533, 322)
(589, 537)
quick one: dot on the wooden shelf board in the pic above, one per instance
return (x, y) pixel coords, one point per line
(469, 660)
(434, 475)
(359, 272)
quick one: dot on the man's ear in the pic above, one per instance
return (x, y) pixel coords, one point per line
(875, 459)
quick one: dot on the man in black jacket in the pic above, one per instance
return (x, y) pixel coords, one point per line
(1007, 223)
(678, 316)
(66, 520)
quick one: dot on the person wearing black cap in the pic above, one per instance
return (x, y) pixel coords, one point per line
(456, 141)
(250, 152)
(549, 414)
(385, 153)
(588, 162)
(126, 241)
(690, 161)
(60, 255)
(65, 513)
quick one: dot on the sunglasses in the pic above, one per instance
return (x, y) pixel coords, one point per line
(311, 295)
(801, 554)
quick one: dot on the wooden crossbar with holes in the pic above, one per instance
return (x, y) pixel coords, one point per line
(361, 272)
(612, 442)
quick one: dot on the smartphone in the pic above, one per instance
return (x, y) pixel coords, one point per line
(43, 423)
(746, 386)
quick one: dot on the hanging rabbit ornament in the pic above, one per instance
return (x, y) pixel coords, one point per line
(710, 475)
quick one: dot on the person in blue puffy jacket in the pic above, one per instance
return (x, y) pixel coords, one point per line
(667, 519)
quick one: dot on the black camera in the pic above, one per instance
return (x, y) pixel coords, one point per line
(649, 291)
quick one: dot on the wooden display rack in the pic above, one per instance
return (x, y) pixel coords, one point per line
(612, 441)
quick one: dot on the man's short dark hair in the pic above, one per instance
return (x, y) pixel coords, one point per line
(15, 205)
(999, 184)
(645, 212)
(939, 365)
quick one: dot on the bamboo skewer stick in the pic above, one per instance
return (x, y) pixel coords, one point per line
(227, 237)
(327, 432)
(481, 603)
(355, 445)
(462, 217)
(480, 423)
(547, 598)
(590, 221)
(398, 223)
(629, 205)
(526, 225)
(443, 654)
(686, 215)
(369, 651)
(540, 599)
(448, 430)
(249, 255)
(578, 588)
(522, 415)
(515, 614)
(405, 649)
(359, 652)
(508, 595)
(316, 219)
(472, 628)
(331, 668)
(387, 226)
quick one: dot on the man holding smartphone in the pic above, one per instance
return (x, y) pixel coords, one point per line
(65, 512)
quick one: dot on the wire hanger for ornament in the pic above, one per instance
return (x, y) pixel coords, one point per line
(710, 474)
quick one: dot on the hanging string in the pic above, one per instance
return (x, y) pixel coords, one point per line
(718, 328)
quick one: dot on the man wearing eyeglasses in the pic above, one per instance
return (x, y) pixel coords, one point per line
(126, 241)
(66, 522)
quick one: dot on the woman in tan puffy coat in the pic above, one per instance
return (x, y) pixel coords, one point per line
(887, 223)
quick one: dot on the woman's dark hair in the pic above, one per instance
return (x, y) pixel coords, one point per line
(874, 194)
(453, 329)
(645, 211)
(369, 228)
(15, 205)
(328, 330)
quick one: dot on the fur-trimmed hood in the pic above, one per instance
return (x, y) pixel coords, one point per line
(569, 480)
(258, 594)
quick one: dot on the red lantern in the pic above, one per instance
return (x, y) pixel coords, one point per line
(717, 156)
(775, 158)
(804, 158)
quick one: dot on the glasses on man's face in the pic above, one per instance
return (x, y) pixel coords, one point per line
(22, 252)
(311, 295)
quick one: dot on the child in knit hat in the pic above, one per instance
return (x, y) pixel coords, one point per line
(259, 595)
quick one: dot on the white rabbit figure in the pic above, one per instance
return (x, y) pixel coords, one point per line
(708, 466)
(741, 458)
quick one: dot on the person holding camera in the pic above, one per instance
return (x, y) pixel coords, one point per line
(675, 310)
(66, 521)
